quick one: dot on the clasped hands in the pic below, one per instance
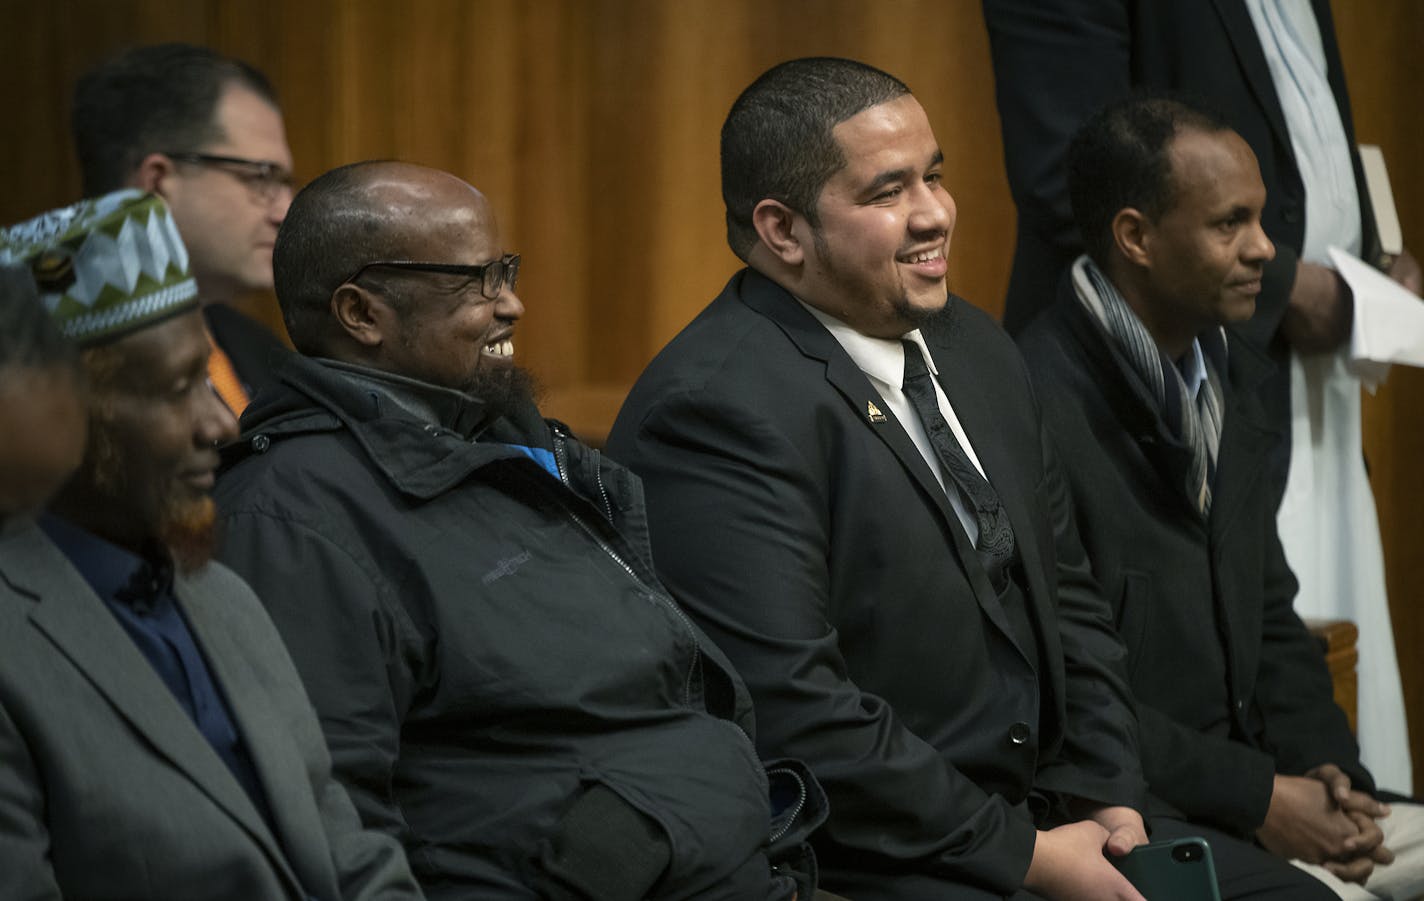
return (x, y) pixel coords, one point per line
(1320, 818)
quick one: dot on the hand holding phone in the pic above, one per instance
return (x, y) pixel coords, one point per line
(1177, 870)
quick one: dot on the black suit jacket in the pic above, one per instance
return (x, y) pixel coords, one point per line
(816, 547)
(1231, 687)
(1056, 62)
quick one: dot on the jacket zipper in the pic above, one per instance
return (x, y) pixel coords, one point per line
(561, 457)
(561, 460)
(795, 810)
(598, 477)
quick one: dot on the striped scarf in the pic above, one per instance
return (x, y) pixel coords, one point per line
(1197, 424)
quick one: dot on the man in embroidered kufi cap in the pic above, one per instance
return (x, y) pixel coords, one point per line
(156, 739)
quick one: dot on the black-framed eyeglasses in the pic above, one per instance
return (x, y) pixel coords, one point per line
(265, 179)
(493, 276)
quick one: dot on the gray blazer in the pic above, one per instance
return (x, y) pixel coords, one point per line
(108, 789)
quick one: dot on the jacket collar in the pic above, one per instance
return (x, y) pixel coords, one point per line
(424, 439)
(1241, 30)
(1246, 433)
(387, 394)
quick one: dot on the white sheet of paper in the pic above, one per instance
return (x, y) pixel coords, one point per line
(1389, 320)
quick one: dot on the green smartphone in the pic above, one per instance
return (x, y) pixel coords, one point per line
(1177, 870)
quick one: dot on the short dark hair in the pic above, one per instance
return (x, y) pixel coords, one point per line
(150, 100)
(29, 338)
(777, 141)
(333, 228)
(1118, 159)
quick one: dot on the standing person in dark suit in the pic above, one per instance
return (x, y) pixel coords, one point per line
(1057, 62)
(204, 133)
(928, 641)
(155, 740)
(1273, 69)
(1156, 403)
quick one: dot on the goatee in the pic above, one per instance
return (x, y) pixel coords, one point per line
(503, 390)
(188, 529)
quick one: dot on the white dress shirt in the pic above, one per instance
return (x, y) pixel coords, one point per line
(883, 362)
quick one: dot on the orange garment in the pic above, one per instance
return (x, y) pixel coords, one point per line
(223, 377)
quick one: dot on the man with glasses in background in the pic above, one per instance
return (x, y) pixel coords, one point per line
(204, 132)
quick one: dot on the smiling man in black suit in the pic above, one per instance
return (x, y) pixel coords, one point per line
(849, 488)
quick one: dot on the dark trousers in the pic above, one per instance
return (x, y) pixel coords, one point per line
(1244, 871)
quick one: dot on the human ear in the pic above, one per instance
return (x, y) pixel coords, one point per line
(151, 172)
(775, 224)
(362, 314)
(1132, 235)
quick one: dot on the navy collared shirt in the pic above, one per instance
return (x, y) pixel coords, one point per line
(139, 592)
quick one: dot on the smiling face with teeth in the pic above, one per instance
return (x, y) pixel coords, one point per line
(440, 328)
(876, 261)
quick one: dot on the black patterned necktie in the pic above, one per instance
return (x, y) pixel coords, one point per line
(996, 536)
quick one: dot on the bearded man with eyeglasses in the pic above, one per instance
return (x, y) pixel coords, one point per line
(204, 132)
(467, 589)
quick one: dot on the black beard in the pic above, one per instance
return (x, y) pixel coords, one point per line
(913, 316)
(503, 390)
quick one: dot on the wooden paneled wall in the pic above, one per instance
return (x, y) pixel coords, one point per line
(592, 126)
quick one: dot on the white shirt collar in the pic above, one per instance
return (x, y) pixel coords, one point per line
(883, 359)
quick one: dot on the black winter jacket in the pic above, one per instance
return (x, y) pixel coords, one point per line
(503, 682)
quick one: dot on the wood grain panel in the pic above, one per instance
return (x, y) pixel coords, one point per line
(592, 126)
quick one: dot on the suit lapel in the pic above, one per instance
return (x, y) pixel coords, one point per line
(279, 768)
(812, 339)
(848, 380)
(70, 615)
(1239, 463)
(853, 385)
(1241, 30)
(1245, 436)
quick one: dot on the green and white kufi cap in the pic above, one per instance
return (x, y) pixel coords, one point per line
(105, 266)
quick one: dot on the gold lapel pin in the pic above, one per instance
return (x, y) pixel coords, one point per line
(873, 413)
